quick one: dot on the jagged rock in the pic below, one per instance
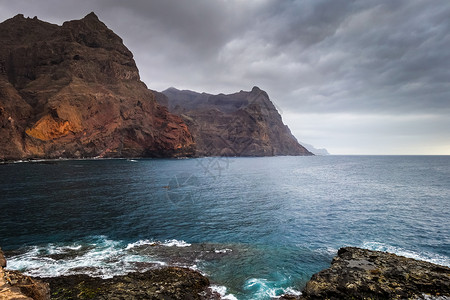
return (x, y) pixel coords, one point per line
(166, 283)
(364, 274)
(74, 91)
(2, 259)
(239, 124)
(16, 286)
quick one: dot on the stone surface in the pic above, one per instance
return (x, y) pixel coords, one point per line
(166, 283)
(2, 259)
(16, 286)
(74, 91)
(239, 124)
(364, 274)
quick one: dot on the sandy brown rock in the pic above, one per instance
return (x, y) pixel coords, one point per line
(2, 259)
(239, 124)
(16, 286)
(74, 91)
(364, 274)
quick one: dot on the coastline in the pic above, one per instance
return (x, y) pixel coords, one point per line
(354, 273)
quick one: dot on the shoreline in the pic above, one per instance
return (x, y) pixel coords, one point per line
(355, 273)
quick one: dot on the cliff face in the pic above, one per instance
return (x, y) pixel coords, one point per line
(240, 124)
(16, 286)
(74, 91)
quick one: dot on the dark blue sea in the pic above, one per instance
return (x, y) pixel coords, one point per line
(257, 227)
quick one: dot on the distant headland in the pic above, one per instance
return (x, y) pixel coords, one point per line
(74, 91)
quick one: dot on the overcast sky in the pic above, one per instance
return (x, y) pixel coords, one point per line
(354, 77)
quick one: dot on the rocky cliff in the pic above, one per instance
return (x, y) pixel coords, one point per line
(74, 91)
(364, 274)
(16, 286)
(239, 124)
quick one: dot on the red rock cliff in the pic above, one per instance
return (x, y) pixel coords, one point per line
(74, 91)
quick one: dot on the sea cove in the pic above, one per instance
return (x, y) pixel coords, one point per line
(258, 227)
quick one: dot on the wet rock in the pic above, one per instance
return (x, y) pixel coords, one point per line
(165, 283)
(364, 274)
(289, 297)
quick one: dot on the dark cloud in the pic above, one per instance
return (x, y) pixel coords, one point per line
(312, 56)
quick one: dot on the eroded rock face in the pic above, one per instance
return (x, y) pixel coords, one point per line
(16, 286)
(166, 283)
(364, 274)
(74, 91)
(2, 259)
(239, 124)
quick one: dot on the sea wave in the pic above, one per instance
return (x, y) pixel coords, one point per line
(167, 243)
(222, 291)
(262, 288)
(425, 256)
(99, 257)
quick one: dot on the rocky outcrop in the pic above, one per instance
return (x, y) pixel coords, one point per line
(167, 283)
(16, 286)
(74, 91)
(239, 124)
(2, 259)
(364, 274)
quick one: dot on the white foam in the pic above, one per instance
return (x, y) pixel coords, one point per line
(263, 288)
(105, 258)
(222, 291)
(176, 243)
(223, 250)
(291, 291)
(141, 243)
(425, 256)
(428, 297)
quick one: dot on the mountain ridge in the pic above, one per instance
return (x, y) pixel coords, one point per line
(245, 123)
(74, 91)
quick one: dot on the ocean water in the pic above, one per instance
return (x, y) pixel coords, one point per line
(257, 227)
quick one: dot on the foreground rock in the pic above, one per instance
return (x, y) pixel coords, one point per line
(364, 274)
(74, 91)
(16, 286)
(166, 283)
(239, 124)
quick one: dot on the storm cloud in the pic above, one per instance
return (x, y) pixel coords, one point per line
(368, 77)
